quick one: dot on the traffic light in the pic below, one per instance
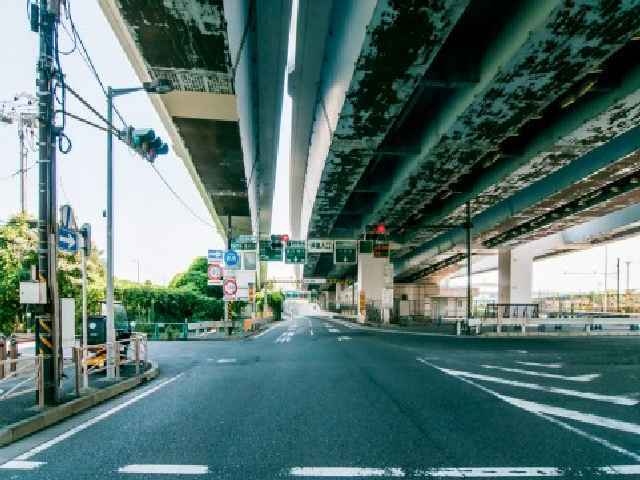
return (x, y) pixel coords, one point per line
(145, 142)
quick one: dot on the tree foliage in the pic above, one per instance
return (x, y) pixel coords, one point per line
(195, 278)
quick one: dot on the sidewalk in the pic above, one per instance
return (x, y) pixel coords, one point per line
(20, 415)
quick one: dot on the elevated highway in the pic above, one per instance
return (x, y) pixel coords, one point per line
(527, 110)
(226, 60)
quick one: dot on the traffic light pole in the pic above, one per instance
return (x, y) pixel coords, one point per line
(47, 331)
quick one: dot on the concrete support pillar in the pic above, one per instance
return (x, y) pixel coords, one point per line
(515, 275)
(375, 283)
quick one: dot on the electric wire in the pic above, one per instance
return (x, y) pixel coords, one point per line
(182, 201)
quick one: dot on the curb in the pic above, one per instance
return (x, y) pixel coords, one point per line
(56, 414)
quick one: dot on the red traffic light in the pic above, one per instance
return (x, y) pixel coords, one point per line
(380, 229)
(284, 238)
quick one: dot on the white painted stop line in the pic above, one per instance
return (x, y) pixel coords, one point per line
(159, 469)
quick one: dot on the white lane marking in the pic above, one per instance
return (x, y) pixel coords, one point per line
(616, 399)
(578, 378)
(490, 472)
(463, 472)
(50, 443)
(326, 325)
(592, 437)
(345, 472)
(522, 352)
(343, 338)
(227, 360)
(311, 332)
(158, 469)
(21, 465)
(334, 330)
(543, 365)
(560, 423)
(285, 337)
(540, 408)
(265, 331)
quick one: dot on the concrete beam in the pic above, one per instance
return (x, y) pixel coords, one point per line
(522, 76)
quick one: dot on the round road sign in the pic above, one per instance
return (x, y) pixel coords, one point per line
(230, 287)
(214, 272)
(231, 258)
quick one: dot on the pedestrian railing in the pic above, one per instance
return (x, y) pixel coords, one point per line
(19, 376)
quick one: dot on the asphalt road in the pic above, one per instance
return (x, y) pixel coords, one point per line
(318, 398)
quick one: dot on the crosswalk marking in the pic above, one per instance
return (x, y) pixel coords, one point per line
(578, 378)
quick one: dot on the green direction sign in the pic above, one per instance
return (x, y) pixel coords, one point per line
(243, 243)
(295, 251)
(346, 251)
(268, 253)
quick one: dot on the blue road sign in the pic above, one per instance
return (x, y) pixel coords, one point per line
(215, 255)
(231, 258)
(67, 240)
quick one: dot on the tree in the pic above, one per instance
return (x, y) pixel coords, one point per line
(196, 279)
(18, 245)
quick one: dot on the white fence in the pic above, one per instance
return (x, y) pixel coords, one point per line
(586, 324)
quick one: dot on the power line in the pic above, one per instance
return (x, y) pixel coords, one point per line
(180, 199)
(91, 108)
(87, 58)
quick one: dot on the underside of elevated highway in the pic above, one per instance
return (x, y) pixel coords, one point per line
(406, 111)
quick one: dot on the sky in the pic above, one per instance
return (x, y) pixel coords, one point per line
(152, 228)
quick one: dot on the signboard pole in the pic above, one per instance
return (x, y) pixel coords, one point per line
(83, 259)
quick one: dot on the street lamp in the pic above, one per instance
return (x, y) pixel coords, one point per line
(159, 86)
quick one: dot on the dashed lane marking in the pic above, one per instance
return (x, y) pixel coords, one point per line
(21, 465)
(543, 365)
(578, 378)
(344, 338)
(464, 472)
(158, 469)
(226, 360)
(334, 330)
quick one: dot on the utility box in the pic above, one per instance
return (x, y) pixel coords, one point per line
(68, 317)
(33, 292)
(96, 330)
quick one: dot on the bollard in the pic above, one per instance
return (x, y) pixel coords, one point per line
(3, 355)
(77, 360)
(137, 354)
(13, 353)
(458, 328)
(40, 379)
(117, 358)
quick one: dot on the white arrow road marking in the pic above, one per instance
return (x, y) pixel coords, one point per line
(343, 338)
(165, 469)
(578, 378)
(334, 330)
(543, 365)
(618, 400)
(544, 411)
(21, 465)
(285, 337)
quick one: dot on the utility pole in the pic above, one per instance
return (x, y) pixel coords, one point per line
(468, 228)
(628, 265)
(47, 325)
(618, 285)
(84, 251)
(23, 162)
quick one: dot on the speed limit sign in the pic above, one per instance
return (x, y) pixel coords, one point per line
(230, 288)
(214, 274)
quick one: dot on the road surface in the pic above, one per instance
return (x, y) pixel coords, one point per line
(318, 398)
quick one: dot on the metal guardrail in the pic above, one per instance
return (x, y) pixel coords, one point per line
(587, 323)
